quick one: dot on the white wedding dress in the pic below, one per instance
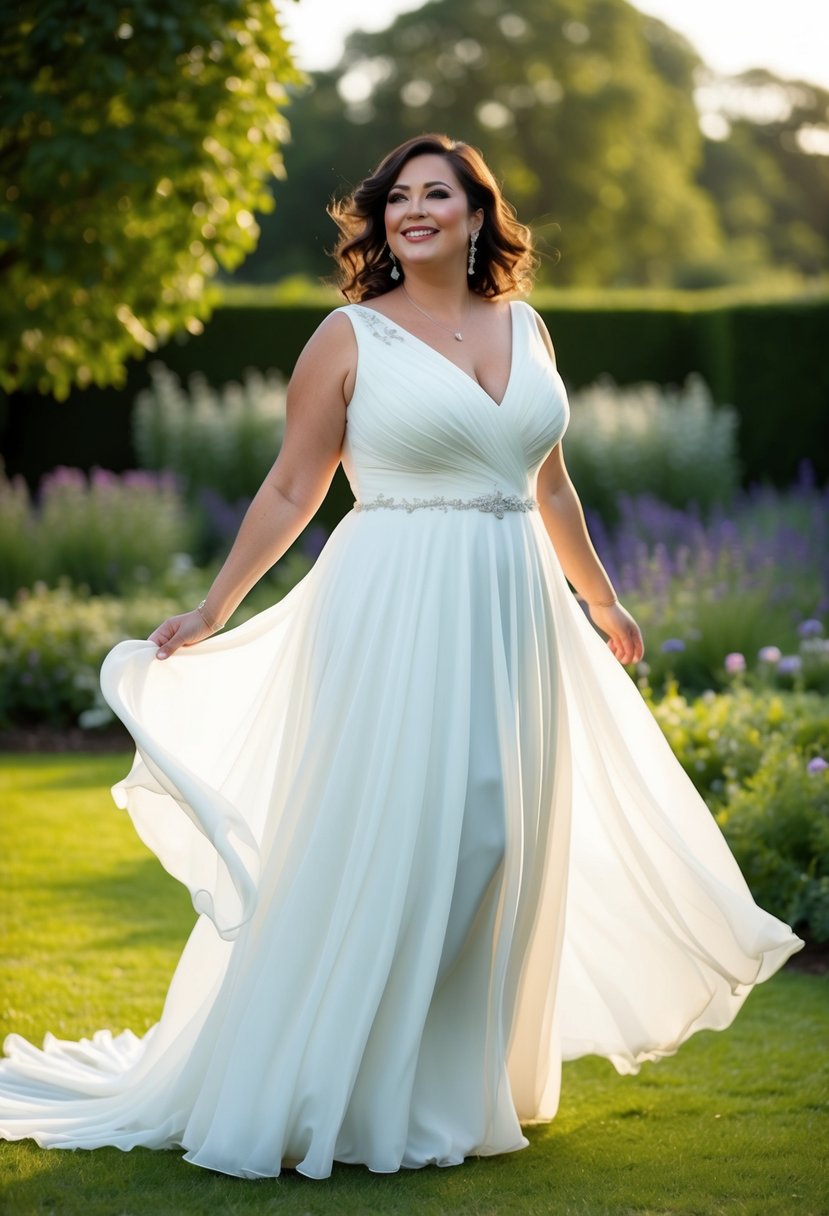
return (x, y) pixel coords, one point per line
(436, 840)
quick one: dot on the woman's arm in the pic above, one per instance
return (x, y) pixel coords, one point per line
(293, 489)
(563, 517)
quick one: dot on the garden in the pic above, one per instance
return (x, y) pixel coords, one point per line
(730, 585)
(163, 231)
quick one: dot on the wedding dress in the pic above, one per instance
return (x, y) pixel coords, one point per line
(436, 840)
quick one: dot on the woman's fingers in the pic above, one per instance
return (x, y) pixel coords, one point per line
(184, 630)
(627, 647)
(164, 632)
(624, 638)
(169, 645)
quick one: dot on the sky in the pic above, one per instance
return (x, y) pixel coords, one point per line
(791, 37)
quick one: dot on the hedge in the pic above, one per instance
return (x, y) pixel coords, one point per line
(767, 358)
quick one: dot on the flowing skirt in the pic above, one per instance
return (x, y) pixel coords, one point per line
(437, 845)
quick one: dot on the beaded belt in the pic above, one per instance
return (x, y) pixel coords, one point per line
(496, 504)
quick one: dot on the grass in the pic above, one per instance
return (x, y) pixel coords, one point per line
(91, 928)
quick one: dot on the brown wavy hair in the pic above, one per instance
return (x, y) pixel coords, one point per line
(504, 259)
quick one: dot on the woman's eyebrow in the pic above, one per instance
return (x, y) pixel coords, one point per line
(401, 186)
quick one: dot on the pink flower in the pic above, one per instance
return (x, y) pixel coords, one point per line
(735, 663)
(770, 654)
(817, 765)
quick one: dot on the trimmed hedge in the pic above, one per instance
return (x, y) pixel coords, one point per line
(765, 358)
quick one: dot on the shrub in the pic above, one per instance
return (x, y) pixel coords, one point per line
(722, 738)
(110, 533)
(223, 440)
(673, 444)
(758, 760)
(777, 825)
(52, 644)
(18, 561)
(53, 640)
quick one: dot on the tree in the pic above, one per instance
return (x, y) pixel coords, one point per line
(768, 168)
(584, 108)
(137, 142)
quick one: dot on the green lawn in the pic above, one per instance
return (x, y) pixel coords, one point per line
(91, 928)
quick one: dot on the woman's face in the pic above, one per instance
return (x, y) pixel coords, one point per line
(427, 213)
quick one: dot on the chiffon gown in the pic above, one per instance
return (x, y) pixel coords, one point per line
(436, 841)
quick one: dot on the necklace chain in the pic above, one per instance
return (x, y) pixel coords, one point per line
(457, 334)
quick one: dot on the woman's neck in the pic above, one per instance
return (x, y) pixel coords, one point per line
(444, 294)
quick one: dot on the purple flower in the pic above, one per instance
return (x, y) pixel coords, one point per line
(735, 663)
(810, 629)
(789, 665)
(770, 654)
(313, 540)
(672, 646)
(223, 518)
(817, 765)
(61, 478)
(103, 479)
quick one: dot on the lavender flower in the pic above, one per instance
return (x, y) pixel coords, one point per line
(313, 540)
(103, 479)
(790, 665)
(672, 646)
(810, 629)
(817, 765)
(735, 663)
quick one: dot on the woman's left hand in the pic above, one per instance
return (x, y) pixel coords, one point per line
(624, 637)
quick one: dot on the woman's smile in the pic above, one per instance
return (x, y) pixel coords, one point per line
(419, 234)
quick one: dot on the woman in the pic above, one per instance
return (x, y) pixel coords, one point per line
(437, 842)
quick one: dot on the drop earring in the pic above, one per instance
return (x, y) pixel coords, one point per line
(395, 273)
(470, 267)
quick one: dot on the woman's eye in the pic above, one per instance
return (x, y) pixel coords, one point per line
(401, 198)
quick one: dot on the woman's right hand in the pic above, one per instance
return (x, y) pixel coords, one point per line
(183, 630)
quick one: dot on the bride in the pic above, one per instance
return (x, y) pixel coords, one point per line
(435, 840)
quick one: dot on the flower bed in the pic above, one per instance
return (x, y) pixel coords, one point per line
(751, 580)
(761, 761)
(109, 533)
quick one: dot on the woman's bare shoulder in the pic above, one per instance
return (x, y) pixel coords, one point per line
(333, 340)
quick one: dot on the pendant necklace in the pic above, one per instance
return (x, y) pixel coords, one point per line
(457, 334)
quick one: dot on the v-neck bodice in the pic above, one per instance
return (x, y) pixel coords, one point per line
(440, 355)
(419, 425)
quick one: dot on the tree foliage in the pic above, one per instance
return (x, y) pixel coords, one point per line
(137, 142)
(769, 169)
(584, 108)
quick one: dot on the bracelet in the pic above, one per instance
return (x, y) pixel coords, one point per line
(209, 624)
